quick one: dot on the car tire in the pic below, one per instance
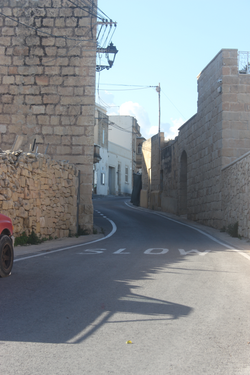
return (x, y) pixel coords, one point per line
(6, 256)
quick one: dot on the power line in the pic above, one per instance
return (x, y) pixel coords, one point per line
(121, 84)
(91, 3)
(174, 105)
(86, 9)
(138, 88)
(44, 32)
(114, 125)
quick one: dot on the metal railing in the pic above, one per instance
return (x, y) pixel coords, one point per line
(244, 62)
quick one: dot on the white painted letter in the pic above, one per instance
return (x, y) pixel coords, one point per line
(120, 251)
(93, 251)
(162, 251)
(183, 252)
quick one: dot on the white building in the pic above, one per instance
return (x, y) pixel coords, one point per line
(120, 166)
(124, 130)
(100, 172)
(115, 137)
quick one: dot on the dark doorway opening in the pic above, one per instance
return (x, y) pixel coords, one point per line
(183, 183)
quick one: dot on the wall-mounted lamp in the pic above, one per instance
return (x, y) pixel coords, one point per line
(110, 53)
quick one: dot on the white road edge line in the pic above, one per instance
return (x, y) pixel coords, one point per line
(190, 226)
(114, 229)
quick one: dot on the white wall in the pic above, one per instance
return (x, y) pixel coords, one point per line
(121, 155)
(102, 167)
(122, 137)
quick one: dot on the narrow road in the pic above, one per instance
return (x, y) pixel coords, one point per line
(179, 296)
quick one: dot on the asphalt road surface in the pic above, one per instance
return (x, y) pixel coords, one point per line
(180, 297)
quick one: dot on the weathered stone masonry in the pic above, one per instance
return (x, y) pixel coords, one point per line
(47, 83)
(236, 194)
(39, 194)
(192, 179)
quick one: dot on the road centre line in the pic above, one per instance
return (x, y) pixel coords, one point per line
(114, 229)
(190, 226)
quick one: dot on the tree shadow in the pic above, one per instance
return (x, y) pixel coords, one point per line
(67, 297)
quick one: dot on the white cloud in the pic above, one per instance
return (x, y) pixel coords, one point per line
(137, 111)
(171, 130)
(107, 101)
(153, 130)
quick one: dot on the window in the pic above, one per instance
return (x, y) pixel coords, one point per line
(103, 136)
(102, 179)
(139, 150)
(126, 174)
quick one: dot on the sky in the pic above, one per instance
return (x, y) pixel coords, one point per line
(167, 43)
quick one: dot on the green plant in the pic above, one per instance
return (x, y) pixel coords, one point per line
(82, 232)
(31, 239)
(223, 229)
(21, 240)
(232, 229)
(94, 231)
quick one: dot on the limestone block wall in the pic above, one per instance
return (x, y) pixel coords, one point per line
(39, 194)
(47, 83)
(169, 194)
(146, 172)
(156, 143)
(236, 194)
(151, 172)
(236, 109)
(201, 139)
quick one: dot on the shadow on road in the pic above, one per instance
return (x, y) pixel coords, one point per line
(66, 297)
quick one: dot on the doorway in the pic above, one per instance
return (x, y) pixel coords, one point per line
(112, 180)
(183, 183)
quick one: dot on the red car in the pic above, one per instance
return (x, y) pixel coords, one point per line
(6, 245)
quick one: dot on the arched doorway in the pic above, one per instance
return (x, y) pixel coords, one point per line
(183, 183)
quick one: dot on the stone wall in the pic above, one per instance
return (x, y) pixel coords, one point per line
(47, 83)
(219, 133)
(235, 109)
(151, 172)
(201, 139)
(38, 194)
(169, 194)
(236, 194)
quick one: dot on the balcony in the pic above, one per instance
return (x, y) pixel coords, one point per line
(97, 156)
(244, 62)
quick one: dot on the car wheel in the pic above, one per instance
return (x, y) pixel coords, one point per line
(6, 256)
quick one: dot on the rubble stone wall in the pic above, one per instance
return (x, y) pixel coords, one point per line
(236, 194)
(38, 194)
(47, 83)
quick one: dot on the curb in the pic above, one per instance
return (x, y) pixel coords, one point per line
(50, 245)
(239, 244)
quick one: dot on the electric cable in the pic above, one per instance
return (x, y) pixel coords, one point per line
(174, 105)
(44, 32)
(107, 36)
(139, 88)
(86, 9)
(93, 5)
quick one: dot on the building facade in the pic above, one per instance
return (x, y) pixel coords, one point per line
(189, 178)
(120, 143)
(47, 75)
(100, 169)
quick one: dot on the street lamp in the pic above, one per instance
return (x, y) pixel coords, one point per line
(110, 53)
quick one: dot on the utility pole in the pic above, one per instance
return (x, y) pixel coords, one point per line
(158, 89)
